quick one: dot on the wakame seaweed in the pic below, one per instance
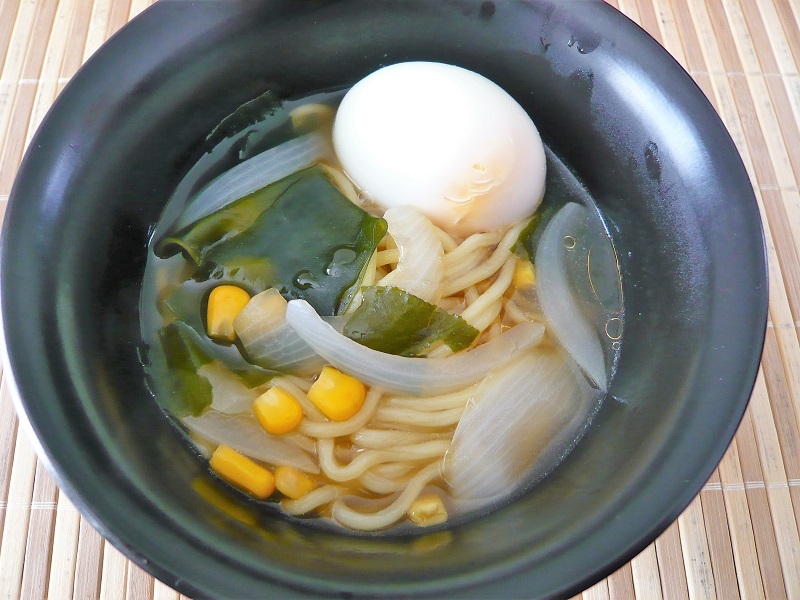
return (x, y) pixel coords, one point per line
(394, 321)
(299, 235)
(190, 394)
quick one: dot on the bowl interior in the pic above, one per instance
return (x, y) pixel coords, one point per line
(607, 100)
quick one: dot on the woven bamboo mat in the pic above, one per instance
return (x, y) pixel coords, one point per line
(739, 538)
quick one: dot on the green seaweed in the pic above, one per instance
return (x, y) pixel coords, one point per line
(392, 320)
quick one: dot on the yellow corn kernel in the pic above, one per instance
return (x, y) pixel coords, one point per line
(292, 482)
(427, 510)
(336, 394)
(277, 411)
(524, 275)
(242, 472)
(224, 303)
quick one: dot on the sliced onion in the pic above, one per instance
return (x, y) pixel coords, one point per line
(244, 434)
(559, 304)
(421, 266)
(229, 394)
(255, 173)
(521, 421)
(269, 341)
(409, 375)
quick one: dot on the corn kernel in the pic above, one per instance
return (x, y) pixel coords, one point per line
(336, 394)
(427, 510)
(277, 411)
(292, 482)
(524, 275)
(242, 472)
(224, 303)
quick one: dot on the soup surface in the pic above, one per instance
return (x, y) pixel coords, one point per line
(343, 362)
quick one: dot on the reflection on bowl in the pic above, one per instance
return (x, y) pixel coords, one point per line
(609, 103)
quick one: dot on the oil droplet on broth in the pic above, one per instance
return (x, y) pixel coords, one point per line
(614, 328)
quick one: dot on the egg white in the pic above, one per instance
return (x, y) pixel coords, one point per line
(444, 139)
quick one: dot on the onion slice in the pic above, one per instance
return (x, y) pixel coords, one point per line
(421, 266)
(229, 394)
(557, 249)
(255, 173)
(521, 421)
(269, 341)
(409, 375)
(244, 434)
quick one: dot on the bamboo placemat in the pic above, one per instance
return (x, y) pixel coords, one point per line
(739, 538)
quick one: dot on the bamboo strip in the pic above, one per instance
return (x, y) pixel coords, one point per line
(790, 27)
(670, 564)
(38, 549)
(140, 584)
(620, 584)
(648, 19)
(113, 582)
(8, 436)
(668, 29)
(743, 544)
(118, 15)
(98, 27)
(29, 14)
(720, 550)
(785, 516)
(161, 591)
(25, 100)
(76, 42)
(785, 63)
(780, 398)
(65, 550)
(630, 9)
(51, 68)
(693, 53)
(696, 558)
(137, 6)
(760, 512)
(598, 591)
(15, 532)
(645, 573)
(786, 108)
(8, 17)
(90, 561)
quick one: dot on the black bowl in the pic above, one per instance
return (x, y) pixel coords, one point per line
(607, 99)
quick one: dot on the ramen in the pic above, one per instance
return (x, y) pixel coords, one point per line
(343, 354)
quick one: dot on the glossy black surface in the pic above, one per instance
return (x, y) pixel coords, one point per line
(606, 98)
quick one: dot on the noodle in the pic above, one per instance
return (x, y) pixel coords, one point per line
(380, 439)
(455, 399)
(485, 308)
(329, 429)
(369, 458)
(419, 418)
(490, 267)
(311, 501)
(394, 512)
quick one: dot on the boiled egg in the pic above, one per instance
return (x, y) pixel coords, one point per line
(443, 139)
